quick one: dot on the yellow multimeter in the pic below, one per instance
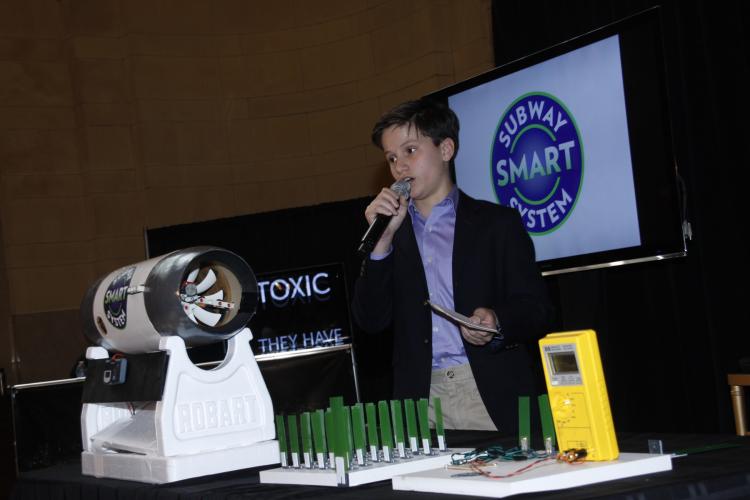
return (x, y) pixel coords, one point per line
(578, 394)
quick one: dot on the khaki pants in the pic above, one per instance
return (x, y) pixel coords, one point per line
(459, 398)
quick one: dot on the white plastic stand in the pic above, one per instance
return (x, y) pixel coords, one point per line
(545, 477)
(208, 421)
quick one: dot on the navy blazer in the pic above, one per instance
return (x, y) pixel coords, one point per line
(493, 267)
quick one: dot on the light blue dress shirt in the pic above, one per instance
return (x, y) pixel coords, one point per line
(435, 241)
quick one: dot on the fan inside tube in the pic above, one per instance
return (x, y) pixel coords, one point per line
(209, 293)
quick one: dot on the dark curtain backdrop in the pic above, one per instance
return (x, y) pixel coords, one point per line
(669, 331)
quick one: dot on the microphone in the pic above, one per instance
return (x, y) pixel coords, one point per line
(375, 231)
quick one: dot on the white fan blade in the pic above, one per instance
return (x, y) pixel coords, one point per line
(193, 274)
(206, 317)
(188, 308)
(214, 296)
(207, 282)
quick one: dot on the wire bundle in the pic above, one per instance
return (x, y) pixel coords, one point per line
(479, 458)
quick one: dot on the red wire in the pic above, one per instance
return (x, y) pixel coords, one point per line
(489, 475)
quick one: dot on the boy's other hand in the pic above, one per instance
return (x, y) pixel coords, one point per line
(481, 316)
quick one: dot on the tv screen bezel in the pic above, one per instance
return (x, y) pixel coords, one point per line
(659, 204)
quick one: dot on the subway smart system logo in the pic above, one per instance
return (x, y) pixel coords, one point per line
(537, 161)
(116, 299)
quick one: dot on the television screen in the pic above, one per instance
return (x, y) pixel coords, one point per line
(301, 309)
(576, 138)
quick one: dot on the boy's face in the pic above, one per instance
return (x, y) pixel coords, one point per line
(411, 154)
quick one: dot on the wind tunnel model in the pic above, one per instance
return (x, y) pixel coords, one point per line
(149, 413)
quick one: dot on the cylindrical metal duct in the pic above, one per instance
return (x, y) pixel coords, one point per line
(202, 294)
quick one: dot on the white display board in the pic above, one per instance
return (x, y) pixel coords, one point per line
(546, 476)
(372, 472)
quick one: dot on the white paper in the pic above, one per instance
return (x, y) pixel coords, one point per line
(459, 318)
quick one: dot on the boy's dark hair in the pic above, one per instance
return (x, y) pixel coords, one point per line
(431, 118)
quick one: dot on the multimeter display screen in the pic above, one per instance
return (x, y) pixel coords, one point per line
(563, 362)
